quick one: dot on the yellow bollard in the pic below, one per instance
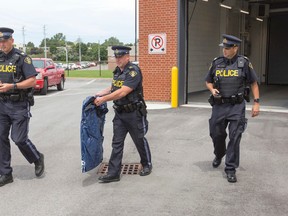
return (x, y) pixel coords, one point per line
(174, 87)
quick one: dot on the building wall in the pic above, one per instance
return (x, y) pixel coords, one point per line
(157, 17)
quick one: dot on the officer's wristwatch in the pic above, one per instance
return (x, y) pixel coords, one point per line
(257, 100)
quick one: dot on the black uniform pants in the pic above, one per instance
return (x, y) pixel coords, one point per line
(232, 116)
(15, 116)
(136, 125)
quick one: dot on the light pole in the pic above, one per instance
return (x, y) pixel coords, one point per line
(66, 49)
(79, 50)
(45, 48)
(99, 58)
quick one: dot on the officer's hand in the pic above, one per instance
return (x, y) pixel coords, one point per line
(255, 110)
(4, 87)
(98, 101)
(215, 92)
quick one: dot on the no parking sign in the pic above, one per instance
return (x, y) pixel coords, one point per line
(157, 43)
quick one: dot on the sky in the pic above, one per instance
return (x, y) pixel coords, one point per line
(90, 20)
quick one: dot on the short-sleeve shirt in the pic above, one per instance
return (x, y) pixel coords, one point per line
(131, 77)
(24, 63)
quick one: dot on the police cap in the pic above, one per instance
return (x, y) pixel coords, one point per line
(5, 33)
(120, 50)
(230, 41)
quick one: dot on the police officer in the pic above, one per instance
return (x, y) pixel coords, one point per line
(17, 77)
(228, 80)
(130, 113)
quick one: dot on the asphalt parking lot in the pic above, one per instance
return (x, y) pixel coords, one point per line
(183, 181)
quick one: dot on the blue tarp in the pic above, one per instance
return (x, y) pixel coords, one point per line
(92, 126)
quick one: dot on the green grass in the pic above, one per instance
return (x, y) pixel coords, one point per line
(89, 73)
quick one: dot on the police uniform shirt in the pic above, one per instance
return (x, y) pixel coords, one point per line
(27, 68)
(249, 73)
(132, 79)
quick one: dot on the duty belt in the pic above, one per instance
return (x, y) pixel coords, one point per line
(126, 108)
(11, 97)
(234, 99)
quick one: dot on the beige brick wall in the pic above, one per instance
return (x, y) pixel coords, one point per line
(157, 17)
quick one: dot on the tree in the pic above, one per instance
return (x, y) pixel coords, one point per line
(57, 40)
(112, 41)
(30, 44)
(89, 52)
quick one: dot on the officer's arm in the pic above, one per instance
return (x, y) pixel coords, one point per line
(210, 87)
(256, 106)
(119, 93)
(104, 92)
(28, 83)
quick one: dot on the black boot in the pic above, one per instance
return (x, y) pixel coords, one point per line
(231, 177)
(6, 179)
(216, 162)
(39, 166)
(109, 178)
(146, 171)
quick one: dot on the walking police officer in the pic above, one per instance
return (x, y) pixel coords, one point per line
(17, 77)
(229, 79)
(130, 113)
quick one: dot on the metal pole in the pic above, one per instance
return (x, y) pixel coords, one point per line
(24, 46)
(66, 49)
(99, 58)
(79, 50)
(45, 49)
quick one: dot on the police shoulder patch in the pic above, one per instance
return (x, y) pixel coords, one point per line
(133, 73)
(250, 65)
(27, 60)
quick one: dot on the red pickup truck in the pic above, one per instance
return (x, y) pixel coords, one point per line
(48, 75)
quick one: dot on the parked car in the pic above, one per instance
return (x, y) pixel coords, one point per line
(48, 75)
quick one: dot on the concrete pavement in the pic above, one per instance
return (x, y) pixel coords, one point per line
(183, 181)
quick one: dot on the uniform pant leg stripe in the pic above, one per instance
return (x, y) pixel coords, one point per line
(146, 145)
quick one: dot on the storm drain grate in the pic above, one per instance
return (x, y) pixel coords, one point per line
(126, 169)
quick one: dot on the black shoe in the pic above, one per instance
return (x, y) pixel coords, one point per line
(39, 166)
(145, 171)
(5, 179)
(216, 162)
(108, 178)
(231, 177)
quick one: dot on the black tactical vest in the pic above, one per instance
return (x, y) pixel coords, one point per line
(118, 81)
(230, 78)
(10, 71)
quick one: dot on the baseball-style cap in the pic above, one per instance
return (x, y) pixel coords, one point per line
(230, 41)
(5, 33)
(120, 50)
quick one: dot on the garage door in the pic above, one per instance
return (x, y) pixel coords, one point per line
(278, 54)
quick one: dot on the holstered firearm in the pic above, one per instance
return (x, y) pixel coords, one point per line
(217, 99)
(247, 93)
(142, 107)
(30, 96)
(211, 100)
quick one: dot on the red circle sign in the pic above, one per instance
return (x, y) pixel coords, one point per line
(157, 42)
